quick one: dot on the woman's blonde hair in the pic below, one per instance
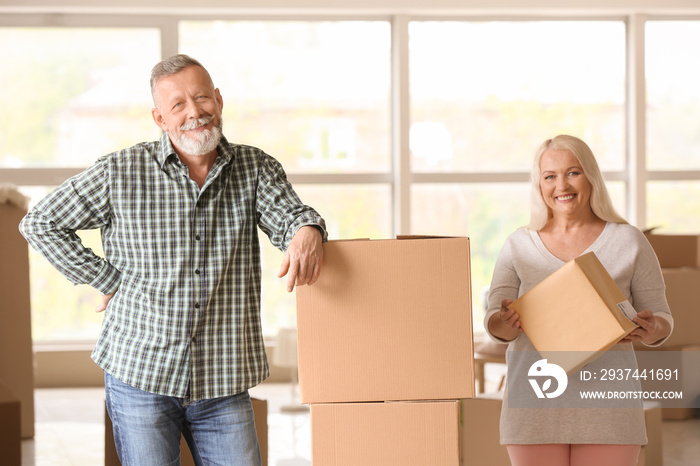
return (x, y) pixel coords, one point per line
(600, 199)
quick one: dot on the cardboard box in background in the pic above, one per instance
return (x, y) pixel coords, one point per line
(684, 359)
(260, 412)
(385, 434)
(10, 428)
(682, 287)
(16, 358)
(387, 320)
(652, 452)
(575, 314)
(480, 435)
(676, 250)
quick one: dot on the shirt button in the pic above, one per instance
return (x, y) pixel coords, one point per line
(197, 237)
(196, 305)
(196, 271)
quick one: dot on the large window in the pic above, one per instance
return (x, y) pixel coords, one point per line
(335, 100)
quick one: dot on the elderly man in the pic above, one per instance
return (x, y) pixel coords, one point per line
(181, 342)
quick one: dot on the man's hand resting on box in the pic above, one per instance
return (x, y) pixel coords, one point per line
(302, 260)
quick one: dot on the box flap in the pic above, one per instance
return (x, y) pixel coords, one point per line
(607, 289)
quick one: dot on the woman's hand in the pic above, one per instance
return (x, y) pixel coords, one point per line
(505, 324)
(651, 329)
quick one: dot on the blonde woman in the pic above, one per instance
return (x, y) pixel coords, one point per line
(571, 214)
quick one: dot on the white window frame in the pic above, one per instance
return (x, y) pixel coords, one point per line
(400, 176)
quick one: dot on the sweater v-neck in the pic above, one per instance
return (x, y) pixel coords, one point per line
(548, 254)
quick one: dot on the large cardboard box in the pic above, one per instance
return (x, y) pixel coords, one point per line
(16, 358)
(676, 250)
(385, 434)
(387, 320)
(681, 293)
(260, 413)
(575, 314)
(10, 428)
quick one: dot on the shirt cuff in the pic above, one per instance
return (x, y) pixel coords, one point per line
(320, 225)
(107, 280)
(667, 318)
(487, 317)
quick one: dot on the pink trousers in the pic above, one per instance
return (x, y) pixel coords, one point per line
(557, 454)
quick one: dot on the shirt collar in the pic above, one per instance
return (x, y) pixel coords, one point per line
(167, 150)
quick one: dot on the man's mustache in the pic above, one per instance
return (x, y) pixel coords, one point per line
(197, 123)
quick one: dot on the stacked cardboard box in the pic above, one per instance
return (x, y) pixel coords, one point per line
(675, 251)
(679, 257)
(10, 441)
(386, 351)
(16, 357)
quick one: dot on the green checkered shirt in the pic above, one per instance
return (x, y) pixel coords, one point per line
(185, 320)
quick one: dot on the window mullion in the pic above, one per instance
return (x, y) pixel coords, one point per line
(636, 122)
(400, 126)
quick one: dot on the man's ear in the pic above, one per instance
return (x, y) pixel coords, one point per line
(219, 99)
(158, 119)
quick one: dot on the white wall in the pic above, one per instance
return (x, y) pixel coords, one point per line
(507, 7)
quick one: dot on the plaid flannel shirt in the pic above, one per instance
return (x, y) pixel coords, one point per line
(185, 320)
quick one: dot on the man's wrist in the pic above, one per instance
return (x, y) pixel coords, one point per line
(316, 227)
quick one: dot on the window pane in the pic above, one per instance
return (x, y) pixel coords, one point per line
(673, 207)
(351, 211)
(673, 95)
(75, 94)
(315, 95)
(484, 95)
(485, 212)
(617, 192)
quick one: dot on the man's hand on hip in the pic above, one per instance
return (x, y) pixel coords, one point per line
(302, 261)
(105, 299)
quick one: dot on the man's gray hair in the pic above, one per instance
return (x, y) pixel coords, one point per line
(169, 67)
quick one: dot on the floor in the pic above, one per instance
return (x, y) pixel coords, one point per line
(70, 430)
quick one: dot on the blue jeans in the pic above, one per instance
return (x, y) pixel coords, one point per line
(147, 428)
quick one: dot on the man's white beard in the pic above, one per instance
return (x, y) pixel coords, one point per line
(205, 142)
